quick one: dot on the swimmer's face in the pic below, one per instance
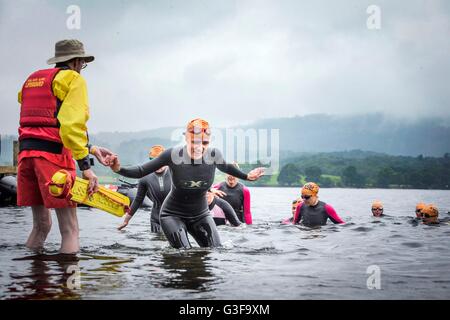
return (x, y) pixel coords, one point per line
(419, 214)
(197, 147)
(377, 211)
(294, 207)
(231, 181)
(427, 219)
(308, 199)
(161, 170)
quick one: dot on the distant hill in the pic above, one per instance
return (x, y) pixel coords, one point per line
(371, 132)
(298, 135)
(115, 139)
(328, 133)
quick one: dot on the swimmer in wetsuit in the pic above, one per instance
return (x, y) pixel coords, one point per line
(418, 218)
(430, 216)
(185, 209)
(312, 212)
(238, 196)
(156, 186)
(295, 204)
(419, 208)
(221, 211)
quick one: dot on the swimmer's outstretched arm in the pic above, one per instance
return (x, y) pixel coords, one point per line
(230, 168)
(138, 172)
(140, 196)
(333, 215)
(135, 205)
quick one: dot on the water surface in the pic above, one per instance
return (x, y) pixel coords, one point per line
(263, 261)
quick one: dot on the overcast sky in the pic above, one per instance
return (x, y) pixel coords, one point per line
(162, 63)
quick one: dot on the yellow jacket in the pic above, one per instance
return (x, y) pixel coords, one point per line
(70, 87)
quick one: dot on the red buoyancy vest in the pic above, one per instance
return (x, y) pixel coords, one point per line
(38, 113)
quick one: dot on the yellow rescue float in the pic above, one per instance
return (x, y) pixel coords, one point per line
(63, 185)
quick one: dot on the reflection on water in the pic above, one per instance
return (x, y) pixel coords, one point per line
(187, 270)
(43, 281)
(266, 260)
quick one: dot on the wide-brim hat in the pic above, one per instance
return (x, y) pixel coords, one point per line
(66, 50)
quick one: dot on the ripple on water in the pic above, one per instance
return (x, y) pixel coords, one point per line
(441, 281)
(263, 250)
(396, 236)
(137, 264)
(12, 247)
(348, 224)
(412, 244)
(362, 229)
(287, 231)
(313, 236)
(119, 246)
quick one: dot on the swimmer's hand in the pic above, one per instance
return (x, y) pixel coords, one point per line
(125, 222)
(114, 162)
(255, 174)
(218, 192)
(102, 154)
(209, 197)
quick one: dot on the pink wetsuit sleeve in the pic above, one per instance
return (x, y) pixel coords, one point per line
(247, 212)
(216, 186)
(297, 216)
(333, 215)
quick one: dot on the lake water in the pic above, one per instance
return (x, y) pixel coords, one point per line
(263, 261)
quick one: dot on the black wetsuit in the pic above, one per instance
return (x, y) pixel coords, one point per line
(317, 215)
(440, 222)
(235, 197)
(228, 212)
(414, 221)
(156, 186)
(185, 209)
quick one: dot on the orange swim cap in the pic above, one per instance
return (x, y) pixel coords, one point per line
(431, 210)
(377, 204)
(198, 129)
(420, 206)
(310, 189)
(155, 151)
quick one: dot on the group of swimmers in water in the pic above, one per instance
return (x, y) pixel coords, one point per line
(426, 213)
(179, 182)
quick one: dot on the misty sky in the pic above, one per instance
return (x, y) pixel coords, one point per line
(162, 63)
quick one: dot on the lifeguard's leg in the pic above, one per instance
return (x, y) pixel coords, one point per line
(42, 223)
(68, 227)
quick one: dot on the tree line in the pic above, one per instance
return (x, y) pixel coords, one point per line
(370, 171)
